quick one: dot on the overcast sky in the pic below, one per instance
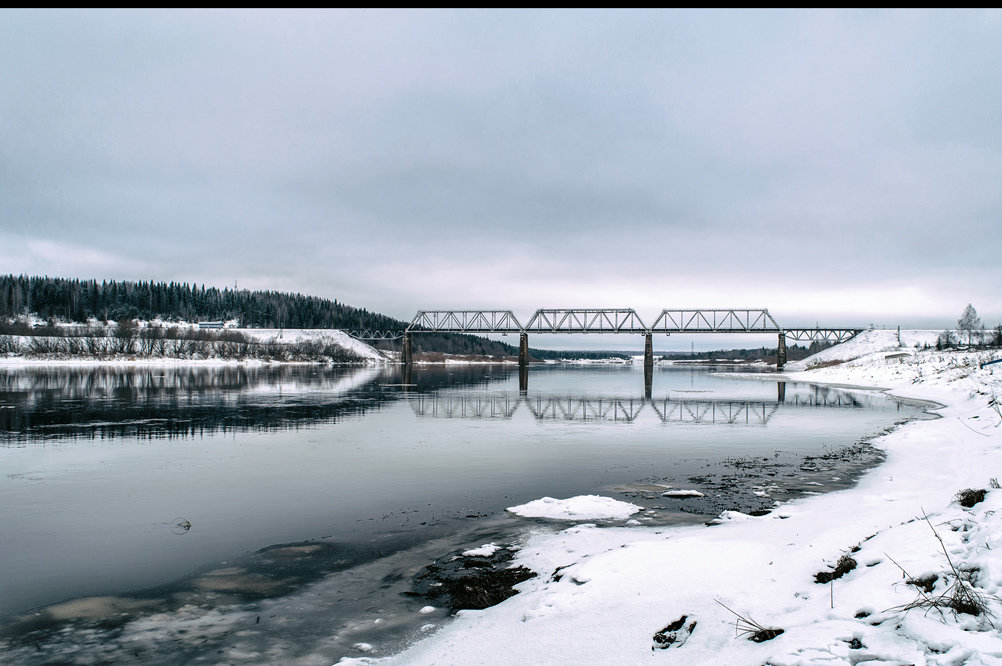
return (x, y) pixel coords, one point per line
(841, 168)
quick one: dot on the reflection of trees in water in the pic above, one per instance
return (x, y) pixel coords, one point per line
(74, 381)
(103, 380)
(172, 417)
(185, 401)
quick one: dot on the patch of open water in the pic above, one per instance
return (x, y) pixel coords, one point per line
(290, 513)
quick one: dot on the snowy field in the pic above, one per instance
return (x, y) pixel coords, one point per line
(858, 576)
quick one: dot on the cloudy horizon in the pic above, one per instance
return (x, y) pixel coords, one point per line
(835, 167)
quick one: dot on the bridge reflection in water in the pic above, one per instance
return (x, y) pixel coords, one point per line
(558, 407)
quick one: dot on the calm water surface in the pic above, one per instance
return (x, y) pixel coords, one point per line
(281, 513)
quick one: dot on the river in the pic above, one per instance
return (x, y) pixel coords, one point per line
(287, 513)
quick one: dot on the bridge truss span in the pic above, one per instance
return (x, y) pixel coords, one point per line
(832, 335)
(586, 320)
(371, 334)
(465, 321)
(610, 320)
(717, 320)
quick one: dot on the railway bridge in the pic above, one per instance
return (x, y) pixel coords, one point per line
(623, 321)
(608, 320)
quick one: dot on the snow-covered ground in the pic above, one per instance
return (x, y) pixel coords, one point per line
(690, 595)
(326, 335)
(264, 335)
(867, 343)
(582, 507)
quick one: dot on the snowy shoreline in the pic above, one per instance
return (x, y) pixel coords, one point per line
(283, 341)
(631, 594)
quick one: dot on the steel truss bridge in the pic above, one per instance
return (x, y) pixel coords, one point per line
(610, 408)
(619, 320)
(607, 320)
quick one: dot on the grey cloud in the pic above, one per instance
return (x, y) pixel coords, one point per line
(577, 155)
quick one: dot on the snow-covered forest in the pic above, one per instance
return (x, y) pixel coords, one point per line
(76, 300)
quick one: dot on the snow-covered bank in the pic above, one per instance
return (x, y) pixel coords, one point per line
(632, 595)
(867, 343)
(323, 335)
(186, 345)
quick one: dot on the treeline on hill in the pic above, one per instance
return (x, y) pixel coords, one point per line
(475, 345)
(110, 300)
(74, 300)
(548, 355)
(793, 353)
(452, 343)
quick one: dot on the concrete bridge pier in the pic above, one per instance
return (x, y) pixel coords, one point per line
(781, 351)
(648, 364)
(780, 391)
(407, 355)
(523, 363)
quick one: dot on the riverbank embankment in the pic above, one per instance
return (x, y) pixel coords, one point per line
(905, 567)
